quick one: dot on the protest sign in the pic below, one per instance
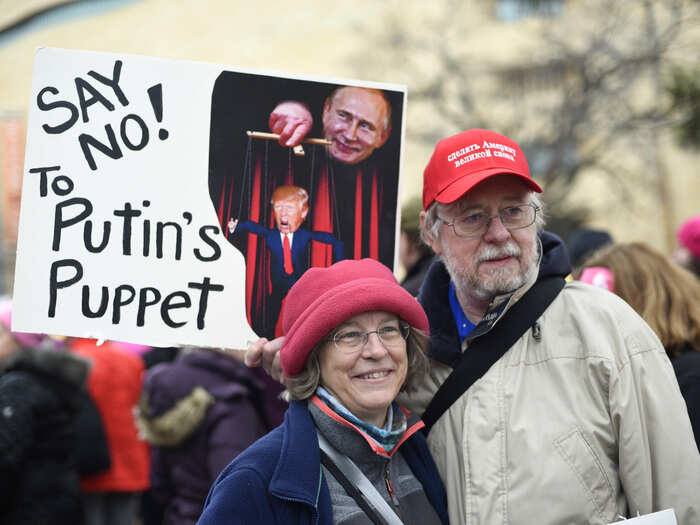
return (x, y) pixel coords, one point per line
(147, 211)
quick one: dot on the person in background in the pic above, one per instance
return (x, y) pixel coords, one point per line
(668, 299)
(115, 380)
(39, 398)
(687, 254)
(414, 255)
(152, 512)
(198, 413)
(583, 242)
(354, 339)
(159, 354)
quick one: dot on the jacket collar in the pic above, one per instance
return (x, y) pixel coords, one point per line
(297, 475)
(433, 297)
(59, 364)
(173, 426)
(353, 441)
(444, 339)
(445, 343)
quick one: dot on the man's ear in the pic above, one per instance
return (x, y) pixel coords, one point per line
(433, 242)
(304, 213)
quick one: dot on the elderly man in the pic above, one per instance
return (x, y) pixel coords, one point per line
(581, 419)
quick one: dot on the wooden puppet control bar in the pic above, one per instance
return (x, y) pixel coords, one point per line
(298, 150)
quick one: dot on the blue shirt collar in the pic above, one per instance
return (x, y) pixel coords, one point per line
(464, 325)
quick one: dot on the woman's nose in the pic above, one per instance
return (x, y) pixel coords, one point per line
(374, 346)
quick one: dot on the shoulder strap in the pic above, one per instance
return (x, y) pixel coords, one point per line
(351, 489)
(488, 348)
(357, 485)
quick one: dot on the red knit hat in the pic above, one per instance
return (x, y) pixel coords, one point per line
(689, 235)
(325, 297)
(462, 161)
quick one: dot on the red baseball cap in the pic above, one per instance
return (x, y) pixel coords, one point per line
(462, 161)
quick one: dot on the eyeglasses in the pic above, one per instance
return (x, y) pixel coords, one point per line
(391, 336)
(476, 224)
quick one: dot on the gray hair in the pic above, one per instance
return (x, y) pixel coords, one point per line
(430, 228)
(304, 384)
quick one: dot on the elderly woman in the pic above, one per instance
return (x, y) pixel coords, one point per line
(346, 452)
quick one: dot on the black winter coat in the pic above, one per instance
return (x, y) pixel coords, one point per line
(39, 392)
(687, 368)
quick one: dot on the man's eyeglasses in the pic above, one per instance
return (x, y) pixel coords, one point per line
(391, 336)
(476, 224)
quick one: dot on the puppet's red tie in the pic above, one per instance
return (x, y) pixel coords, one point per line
(287, 251)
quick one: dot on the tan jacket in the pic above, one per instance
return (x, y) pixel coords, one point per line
(579, 425)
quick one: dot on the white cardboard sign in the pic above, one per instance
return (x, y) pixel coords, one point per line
(662, 517)
(120, 236)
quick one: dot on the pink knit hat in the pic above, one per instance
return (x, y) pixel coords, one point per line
(599, 276)
(325, 297)
(24, 339)
(689, 235)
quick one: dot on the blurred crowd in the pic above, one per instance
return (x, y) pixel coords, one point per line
(119, 434)
(123, 434)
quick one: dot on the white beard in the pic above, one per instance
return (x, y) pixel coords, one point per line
(500, 280)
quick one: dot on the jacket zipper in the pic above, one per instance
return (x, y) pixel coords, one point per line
(390, 488)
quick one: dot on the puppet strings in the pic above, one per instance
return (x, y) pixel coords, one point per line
(311, 195)
(247, 176)
(331, 186)
(265, 188)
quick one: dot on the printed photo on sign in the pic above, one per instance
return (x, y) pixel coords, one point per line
(332, 197)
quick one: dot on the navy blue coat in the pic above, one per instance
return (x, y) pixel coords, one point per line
(300, 241)
(279, 479)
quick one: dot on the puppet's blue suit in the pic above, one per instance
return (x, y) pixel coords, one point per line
(301, 239)
(281, 281)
